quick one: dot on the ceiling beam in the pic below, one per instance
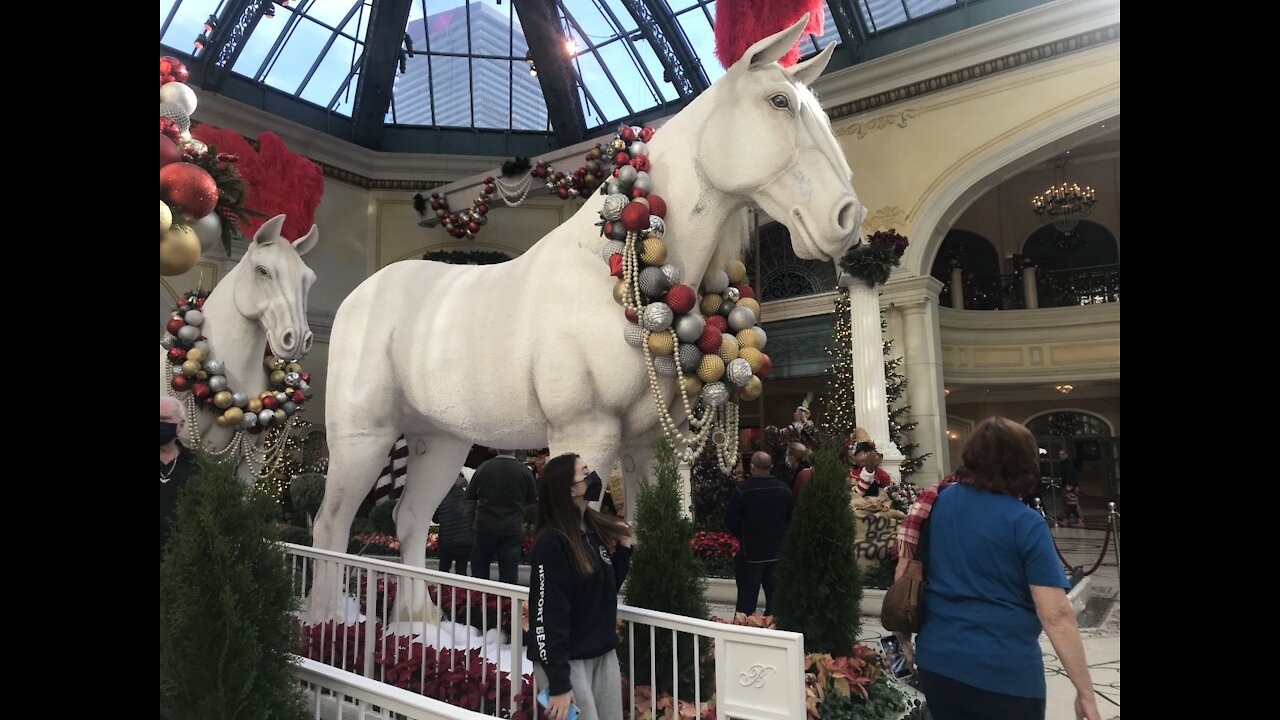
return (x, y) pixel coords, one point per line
(387, 21)
(545, 37)
(235, 25)
(852, 33)
(659, 26)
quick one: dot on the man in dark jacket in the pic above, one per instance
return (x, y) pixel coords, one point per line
(757, 514)
(502, 490)
(457, 518)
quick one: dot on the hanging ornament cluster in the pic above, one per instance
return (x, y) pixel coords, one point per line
(467, 223)
(192, 368)
(716, 338)
(199, 189)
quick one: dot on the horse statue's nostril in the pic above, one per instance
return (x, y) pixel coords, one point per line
(846, 216)
(307, 340)
(287, 339)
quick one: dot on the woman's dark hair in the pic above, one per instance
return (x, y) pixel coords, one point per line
(1001, 457)
(556, 512)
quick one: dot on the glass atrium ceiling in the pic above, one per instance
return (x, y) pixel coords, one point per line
(467, 64)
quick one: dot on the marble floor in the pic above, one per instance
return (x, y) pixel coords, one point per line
(1099, 625)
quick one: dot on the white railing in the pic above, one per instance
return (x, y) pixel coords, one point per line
(754, 674)
(341, 695)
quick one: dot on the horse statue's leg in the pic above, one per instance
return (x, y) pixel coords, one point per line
(637, 467)
(355, 458)
(595, 439)
(434, 462)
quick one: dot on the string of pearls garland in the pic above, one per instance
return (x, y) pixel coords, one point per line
(509, 190)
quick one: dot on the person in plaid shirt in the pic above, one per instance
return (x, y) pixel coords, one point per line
(909, 528)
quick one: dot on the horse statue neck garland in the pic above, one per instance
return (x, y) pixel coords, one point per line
(660, 310)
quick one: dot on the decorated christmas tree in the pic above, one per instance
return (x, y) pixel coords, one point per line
(841, 417)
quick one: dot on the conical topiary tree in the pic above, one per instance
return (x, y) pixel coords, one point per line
(820, 585)
(226, 606)
(665, 575)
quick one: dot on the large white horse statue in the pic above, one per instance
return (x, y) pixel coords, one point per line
(530, 353)
(261, 301)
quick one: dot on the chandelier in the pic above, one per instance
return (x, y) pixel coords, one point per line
(1065, 203)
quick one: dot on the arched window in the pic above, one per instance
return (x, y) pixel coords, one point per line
(1089, 245)
(1067, 423)
(973, 253)
(782, 274)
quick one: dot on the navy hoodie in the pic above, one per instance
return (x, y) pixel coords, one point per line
(572, 617)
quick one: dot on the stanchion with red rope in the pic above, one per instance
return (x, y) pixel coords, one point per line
(1112, 516)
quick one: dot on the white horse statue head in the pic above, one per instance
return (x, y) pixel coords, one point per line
(262, 301)
(530, 353)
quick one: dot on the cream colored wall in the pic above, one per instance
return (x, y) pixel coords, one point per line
(918, 165)
(1003, 215)
(970, 413)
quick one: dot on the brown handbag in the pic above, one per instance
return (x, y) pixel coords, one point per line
(903, 606)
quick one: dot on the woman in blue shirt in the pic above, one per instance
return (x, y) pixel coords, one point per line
(993, 582)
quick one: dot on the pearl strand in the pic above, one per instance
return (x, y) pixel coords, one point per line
(510, 190)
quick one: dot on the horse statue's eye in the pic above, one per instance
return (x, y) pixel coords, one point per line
(780, 101)
(263, 272)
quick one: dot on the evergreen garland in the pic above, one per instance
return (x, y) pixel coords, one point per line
(226, 606)
(821, 586)
(665, 576)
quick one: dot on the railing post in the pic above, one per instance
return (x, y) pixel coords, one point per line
(1030, 296)
(370, 620)
(957, 288)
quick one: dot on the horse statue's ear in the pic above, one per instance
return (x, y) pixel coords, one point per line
(809, 70)
(772, 48)
(304, 244)
(270, 230)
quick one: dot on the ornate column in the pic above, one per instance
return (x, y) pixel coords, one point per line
(1030, 295)
(957, 288)
(922, 364)
(869, 399)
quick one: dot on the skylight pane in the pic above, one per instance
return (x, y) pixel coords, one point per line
(629, 76)
(448, 26)
(332, 71)
(594, 79)
(654, 65)
(412, 93)
(492, 80)
(329, 12)
(300, 50)
(452, 80)
(920, 8)
(256, 49)
(622, 14)
(187, 23)
(884, 13)
(702, 40)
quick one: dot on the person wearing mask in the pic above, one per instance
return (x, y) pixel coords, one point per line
(757, 514)
(502, 489)
(177, 463)
(993, 582)
(580, 559)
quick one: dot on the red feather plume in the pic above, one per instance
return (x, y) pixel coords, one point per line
(741, 23)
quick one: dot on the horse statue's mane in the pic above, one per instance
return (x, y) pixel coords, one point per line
(531, 352)
(261, 302)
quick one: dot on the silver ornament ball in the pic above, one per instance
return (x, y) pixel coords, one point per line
(652, 282)
(763, 338)
(168, 341)
(194, 317)
(672, 272)
(248, 421)
(179, 94)
(657, 317)
(639, 149)
(715, 281)
(689, 327)
(611, 247)
(304, 386)
(619, 232)
(633, 334)
(202, 345)
(658, 228)
(726, 307)
(291, 407)
(215, 367)
(188, 333)
(217, 383)
(739, 371)
(613, 205)
(627, 175)
(240, 399)
(714, 394)
(179, 116)
(267, 418)
(282, 397)
(664, 366)
(643, 181)
(731, 293)
(741, 318)
(690, 357)
(292, 379)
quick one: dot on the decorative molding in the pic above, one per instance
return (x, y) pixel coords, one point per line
(754, 676)
(1046, 325)
(886, 218)
(860, 129)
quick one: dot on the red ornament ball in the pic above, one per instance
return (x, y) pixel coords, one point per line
(297, 396)
(270, 402)
(180, 383)
(488, 180)
(657, 206)
(173, 68)
(615, 265)
(637, 193)
(681, 299)
(710, 340)
(631, 316)
(170, 129)
(745, 291)
(306, 377)
(563, 193)
(202, 391)
(646, 134)
(256, 430)
(640, 163)
(621, 159)
(177, 355)
(482, 208)
(169, 151)
(627, 133)
(174, 326)
(188, 188)
(719, 323)
(766, 365)
(635, 217)
(473, 226)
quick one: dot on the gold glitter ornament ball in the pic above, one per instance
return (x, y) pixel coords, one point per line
(737, 271)
(752, 305)
(753, 357)
(728, 348)
(710, 304)
(711, 368)
(662, 343)
(692, 386)
(752, 389)
(653, 252)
